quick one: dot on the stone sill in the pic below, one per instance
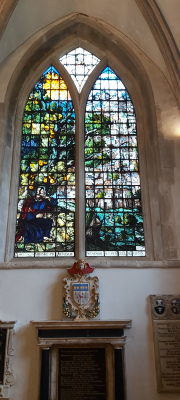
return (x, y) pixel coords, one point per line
(97, 262)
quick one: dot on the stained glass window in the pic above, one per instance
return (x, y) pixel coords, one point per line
(46, 203)
(79, 63)
(114, 221)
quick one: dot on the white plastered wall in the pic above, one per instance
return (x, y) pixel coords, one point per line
(27, 295)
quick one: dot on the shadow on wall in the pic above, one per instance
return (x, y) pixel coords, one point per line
(26, 351)
(57, 290)
(26, 360)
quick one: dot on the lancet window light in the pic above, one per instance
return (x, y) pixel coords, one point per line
(46, 202)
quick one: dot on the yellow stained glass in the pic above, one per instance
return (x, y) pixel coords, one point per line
(48, 125)
(36, 129)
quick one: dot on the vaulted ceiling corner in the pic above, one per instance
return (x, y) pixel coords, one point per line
(6, 9)
(164, 39)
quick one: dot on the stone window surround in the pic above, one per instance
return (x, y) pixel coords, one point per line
(128, 68)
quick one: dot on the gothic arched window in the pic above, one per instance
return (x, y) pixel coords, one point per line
(46, 206)
(114, 222)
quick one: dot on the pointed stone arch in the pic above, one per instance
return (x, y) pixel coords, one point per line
(124, 63)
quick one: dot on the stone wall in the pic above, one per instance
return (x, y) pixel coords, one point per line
(32, 289)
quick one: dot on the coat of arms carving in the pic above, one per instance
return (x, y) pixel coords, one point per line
(81, 297)
(165, 306)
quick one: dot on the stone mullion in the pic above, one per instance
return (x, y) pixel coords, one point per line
(80, 189)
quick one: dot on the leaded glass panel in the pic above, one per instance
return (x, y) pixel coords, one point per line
(114, 221)
(79, 63)
(46, 203)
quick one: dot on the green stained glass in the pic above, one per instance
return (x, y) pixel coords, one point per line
(114, 221)
(46, 203)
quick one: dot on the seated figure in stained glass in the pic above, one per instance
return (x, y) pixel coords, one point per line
(32, 225)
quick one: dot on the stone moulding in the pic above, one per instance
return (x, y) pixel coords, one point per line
(46, 343)
(115, 342)
(106, 263)
(8, 375)
(112, 324)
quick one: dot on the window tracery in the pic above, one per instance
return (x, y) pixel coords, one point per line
(79, 64)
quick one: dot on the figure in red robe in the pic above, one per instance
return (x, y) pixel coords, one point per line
(32, 226)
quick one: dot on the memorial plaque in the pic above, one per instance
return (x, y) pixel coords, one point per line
(82, 374)
(167, 350)
(166, 326)
(2, 352)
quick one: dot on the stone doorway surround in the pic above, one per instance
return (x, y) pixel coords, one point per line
(109, 335)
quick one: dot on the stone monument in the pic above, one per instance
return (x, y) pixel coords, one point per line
(81, 297)
(165, 311)
(7, 377)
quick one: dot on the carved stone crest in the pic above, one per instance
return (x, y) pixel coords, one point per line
(6, 353)
(165, 306)
(81, 297)
(9, 375)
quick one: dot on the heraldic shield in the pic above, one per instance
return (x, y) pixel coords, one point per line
(81, 293)
(81, 298)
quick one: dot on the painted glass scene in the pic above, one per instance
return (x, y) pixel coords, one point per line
(79, 63)
(114, 221)
(46, 203)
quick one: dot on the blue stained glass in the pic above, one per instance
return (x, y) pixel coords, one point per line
(45, 225)
(114, 220)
